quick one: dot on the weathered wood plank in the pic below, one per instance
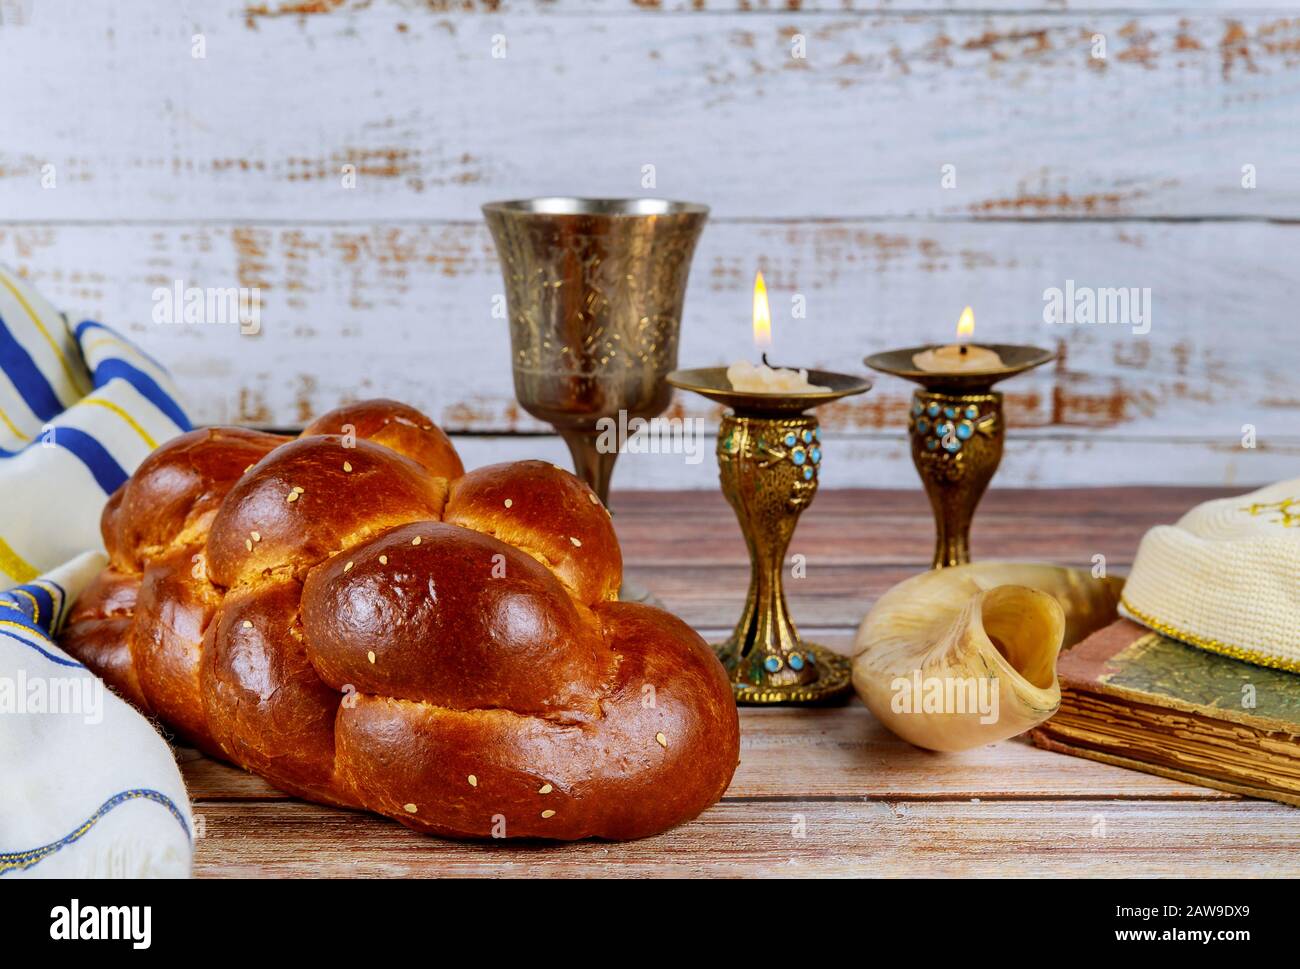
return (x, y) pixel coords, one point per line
(843, 752)
(881, 838)
(405, 311)
(261, 126)
(883, 527)
(867, 540)
(257, 12)
(692, 556)
(831, 597)
(1103, 506)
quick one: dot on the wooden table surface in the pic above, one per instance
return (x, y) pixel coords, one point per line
(824, 791)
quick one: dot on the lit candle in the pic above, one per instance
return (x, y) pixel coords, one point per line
(960, 357)
(760, 378)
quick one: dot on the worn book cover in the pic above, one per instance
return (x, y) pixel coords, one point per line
(1134, 698)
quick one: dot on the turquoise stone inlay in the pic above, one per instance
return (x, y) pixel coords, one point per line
(816, 454)
(790, 439)
(943, 427)
(772, 664)
(808, 473)
(796, 661)
(798, 456)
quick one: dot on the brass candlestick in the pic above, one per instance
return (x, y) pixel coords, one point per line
(956, 429)
(769, 457)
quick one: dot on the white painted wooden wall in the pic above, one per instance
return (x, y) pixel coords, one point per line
(823, 171)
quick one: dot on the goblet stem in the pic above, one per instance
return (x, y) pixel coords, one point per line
(590, 463)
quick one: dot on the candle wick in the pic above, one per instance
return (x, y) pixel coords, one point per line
(763, 357)
(964, 349)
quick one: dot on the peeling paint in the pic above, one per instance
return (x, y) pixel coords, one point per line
(996, 42)
(305, 9)
(1139, 49)
(1091, 203)
(1235, 49)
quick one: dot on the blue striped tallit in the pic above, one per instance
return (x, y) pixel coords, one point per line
(88, 786)
(90, 790)
(80, 408)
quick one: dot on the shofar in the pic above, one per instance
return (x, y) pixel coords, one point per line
(959, 657)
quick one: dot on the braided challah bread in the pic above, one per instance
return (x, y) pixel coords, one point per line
(353, 617)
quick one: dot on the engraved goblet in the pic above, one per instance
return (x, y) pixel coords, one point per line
(594, 291)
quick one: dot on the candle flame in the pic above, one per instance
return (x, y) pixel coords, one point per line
(966, 324)
(762, 315)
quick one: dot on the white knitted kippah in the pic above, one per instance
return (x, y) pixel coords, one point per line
(1226, 577)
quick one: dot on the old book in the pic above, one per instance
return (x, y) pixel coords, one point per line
(1134, 698)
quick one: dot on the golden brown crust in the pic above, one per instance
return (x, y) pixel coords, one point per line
(309, 499)
(663, 751)
(177, 490)
(522, 503)
(337, 616)
(176, 603)
(269, 709)
(98, 631)
(396, 426)
(452, 621)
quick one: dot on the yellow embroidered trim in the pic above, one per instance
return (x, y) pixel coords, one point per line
(109, 405)
(35, 633)
(14, 565)
(89, 345)
(1289, 518)
(56, 596)
(118, 345)
(14, 430)
(1213, 645)
(78, 385)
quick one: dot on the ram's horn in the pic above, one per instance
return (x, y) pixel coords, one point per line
(964, 656)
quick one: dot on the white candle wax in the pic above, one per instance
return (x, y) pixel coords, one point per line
(957, 358)
(762, 379)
